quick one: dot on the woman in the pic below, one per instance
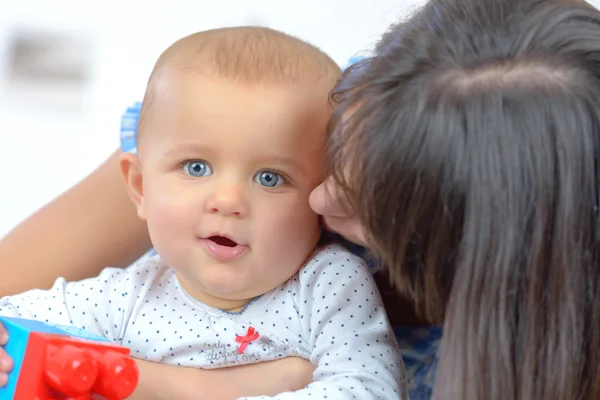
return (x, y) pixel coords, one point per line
(465, 155)
(469, 148)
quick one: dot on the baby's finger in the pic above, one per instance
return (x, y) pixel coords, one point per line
(6, 362)
(3, 335)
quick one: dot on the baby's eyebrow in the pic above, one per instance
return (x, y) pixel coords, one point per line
(277, 159)
(188, 149)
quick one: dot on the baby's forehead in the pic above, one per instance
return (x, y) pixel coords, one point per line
(245, 127)
(246, 55)
(286, 119)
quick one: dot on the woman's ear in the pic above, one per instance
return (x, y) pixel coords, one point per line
(131, 171)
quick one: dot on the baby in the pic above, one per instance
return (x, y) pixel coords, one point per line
(230, 145)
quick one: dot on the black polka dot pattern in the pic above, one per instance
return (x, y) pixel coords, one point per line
(329, 313)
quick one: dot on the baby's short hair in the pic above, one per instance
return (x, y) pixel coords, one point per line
(253, 55)
(247, 55)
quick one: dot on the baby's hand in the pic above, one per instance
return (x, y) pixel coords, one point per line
(5, 361)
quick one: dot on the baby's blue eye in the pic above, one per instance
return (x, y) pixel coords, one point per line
(269, 179)
(196, 169)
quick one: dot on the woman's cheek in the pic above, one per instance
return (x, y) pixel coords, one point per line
(348, 227)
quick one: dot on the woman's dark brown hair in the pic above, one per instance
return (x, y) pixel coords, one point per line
(470, 147)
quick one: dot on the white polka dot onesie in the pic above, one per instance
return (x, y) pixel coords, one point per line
(330, 313)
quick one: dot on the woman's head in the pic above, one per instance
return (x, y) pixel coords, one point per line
(469, 146)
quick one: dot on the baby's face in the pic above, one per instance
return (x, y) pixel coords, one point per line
(227, 171)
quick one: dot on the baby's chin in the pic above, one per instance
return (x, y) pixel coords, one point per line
(218, 295)
(260, 270)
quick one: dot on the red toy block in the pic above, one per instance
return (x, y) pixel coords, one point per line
(60, 367)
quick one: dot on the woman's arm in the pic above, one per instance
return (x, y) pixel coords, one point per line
(160, 382)
(89, 227)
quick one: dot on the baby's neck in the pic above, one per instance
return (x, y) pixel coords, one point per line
(198, 294)
(236, 309)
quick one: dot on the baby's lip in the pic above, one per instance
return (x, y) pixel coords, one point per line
(215, 235)
(224, 252)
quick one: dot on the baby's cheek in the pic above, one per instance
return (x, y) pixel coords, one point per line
(169, 214)
(292, 228)
(287, 245)
(164, 208)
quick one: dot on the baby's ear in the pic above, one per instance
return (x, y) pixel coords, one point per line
(131, 171)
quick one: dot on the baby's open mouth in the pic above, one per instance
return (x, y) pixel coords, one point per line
(223, 248)
(223, 241)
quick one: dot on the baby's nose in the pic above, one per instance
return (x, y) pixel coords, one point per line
(228, 201)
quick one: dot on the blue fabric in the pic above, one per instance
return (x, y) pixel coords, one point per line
(419, 348)
(129, 125)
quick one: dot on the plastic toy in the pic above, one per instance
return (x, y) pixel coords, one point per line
(64, 363)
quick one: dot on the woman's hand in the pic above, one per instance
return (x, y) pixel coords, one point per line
(160, 381)
(326, 200)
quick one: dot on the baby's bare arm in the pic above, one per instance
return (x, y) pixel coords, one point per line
(89, 227)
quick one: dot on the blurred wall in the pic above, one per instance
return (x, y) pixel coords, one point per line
(68, 69)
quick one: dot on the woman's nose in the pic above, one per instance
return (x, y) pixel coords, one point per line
(326, 199)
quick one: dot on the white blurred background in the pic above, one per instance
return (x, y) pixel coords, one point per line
(69, 68)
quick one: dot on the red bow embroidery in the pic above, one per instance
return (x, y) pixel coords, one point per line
(245, 340)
